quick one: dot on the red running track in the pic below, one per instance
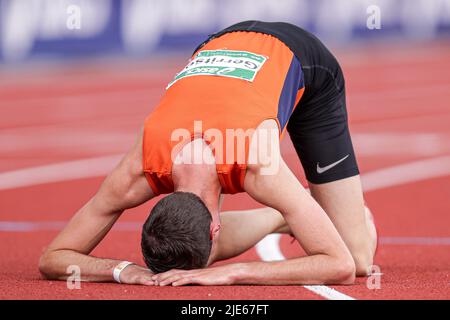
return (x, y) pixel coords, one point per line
(398, 100)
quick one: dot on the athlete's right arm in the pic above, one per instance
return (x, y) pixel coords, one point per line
(328, 260)
(124, 188)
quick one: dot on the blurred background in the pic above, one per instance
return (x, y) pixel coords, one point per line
(78, 77)
(55, 29)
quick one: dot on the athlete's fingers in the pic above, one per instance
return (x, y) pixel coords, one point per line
(199, 279)
(166, 279)
(184, 281)
(173, 278)
(185, 274)
(146, 281)
(164, 275)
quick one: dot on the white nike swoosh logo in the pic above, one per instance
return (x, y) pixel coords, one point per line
(323, 169)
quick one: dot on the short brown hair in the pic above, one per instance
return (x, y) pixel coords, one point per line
(176, 234)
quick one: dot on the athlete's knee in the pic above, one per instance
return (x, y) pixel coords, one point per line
(373, 234)
(363, 263)
(365, 255)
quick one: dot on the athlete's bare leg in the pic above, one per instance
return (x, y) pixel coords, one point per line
(343, 201)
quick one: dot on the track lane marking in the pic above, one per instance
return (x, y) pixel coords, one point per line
(270, 251)
(406, 173)
(32, 226)
(58, 172)
(443, 241)
(101, 166)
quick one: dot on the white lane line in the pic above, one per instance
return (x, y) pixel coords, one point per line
(100, 166)
(411, 145)
(328, 293)
(443, 241)
(26, 226)
(57, 172)
(268, 249)
(30, 226)
(406, 173)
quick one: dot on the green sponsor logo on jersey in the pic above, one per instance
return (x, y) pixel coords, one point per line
(224, 63)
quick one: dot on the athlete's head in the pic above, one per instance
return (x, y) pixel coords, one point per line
(176, 235)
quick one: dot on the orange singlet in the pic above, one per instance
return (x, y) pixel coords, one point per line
(234, 82)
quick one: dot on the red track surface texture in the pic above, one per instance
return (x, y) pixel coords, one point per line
(398, 100)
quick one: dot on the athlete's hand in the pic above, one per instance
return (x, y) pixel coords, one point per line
(134, 274)
(215, 276)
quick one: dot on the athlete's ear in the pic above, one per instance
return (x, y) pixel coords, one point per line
(213, 230)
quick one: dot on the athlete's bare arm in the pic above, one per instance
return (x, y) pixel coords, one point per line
(342, 201)
(124, 188)
(328, 260)
(242, 229)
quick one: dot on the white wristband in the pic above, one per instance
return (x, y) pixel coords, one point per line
(119, 268)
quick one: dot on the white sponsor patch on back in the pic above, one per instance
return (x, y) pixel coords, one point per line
(224, 63)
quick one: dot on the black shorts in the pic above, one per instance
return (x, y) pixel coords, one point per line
(318, 127)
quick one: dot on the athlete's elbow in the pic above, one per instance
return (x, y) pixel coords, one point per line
(343, 271)
(339, 269)
(46, 265)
